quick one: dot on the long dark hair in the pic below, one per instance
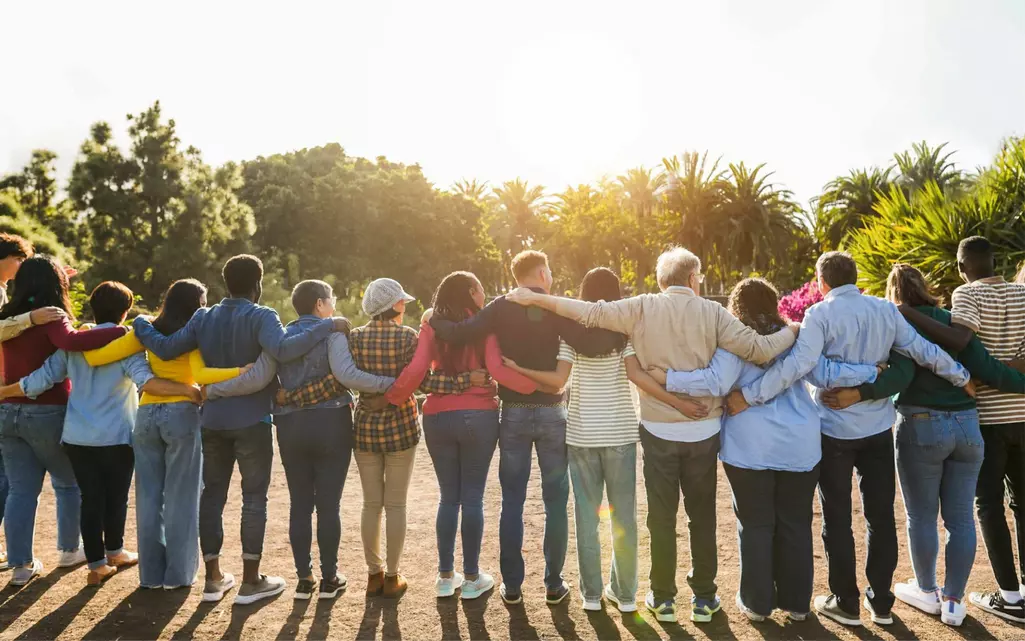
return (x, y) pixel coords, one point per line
(40, 282)
(907, 286)
(755, 302)
(181, 301)
(453, 302)
(601, 283)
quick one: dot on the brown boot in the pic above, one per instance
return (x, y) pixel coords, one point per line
(395, 586)
(375, 584)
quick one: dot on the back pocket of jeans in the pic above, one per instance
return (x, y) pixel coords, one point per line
(920, 429)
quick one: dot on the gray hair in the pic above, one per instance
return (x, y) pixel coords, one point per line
(675, 266)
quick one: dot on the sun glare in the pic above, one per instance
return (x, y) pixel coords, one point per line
(570, 101)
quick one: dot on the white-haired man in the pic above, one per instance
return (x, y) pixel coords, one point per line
(676, 329)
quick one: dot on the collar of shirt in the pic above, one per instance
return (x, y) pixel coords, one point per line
(843, 290)
(992, 280)
(236, 302)
(680, 289)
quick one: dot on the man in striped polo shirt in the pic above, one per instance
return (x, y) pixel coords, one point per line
(993, 309)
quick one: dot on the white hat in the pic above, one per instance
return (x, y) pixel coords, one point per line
(383, 294)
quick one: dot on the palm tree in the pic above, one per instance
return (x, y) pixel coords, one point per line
(473, 190)
(762, 221)
(924, 164)
(692, 199)
(847, 202)
(520, 207)
(640, 189)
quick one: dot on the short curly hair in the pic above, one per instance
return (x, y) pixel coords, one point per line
(755, 302)
(11, 245)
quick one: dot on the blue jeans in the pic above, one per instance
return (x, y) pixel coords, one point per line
(30, 438)
(521, 430)
(316, 449)
(253, 448)
(168, 466)
(593, 470)
(461, 444)
(939, 455)
(4, 486)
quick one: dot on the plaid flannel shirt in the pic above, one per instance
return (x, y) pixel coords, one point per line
(383, 348)
(314, 392)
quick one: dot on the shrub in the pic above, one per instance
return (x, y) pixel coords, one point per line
(793, 306)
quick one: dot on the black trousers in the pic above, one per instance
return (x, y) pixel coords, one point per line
(104, 476)
(670, 467)
(774, 512)
(872, 457)
(1003, 466)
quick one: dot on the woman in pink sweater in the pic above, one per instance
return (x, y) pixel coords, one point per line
(461, 430)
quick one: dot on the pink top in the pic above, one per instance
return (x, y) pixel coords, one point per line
(476, 398)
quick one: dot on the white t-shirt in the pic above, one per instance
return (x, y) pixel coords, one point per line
(601, 411)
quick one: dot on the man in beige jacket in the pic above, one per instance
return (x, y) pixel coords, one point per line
(676, 329)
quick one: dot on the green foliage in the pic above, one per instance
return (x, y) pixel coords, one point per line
(157, 212)
(15, 221)
(924, 228)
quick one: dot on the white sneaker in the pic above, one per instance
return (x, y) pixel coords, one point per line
(916, 597)
(447, 587)
(3, 559)
(269, 586)
(954, 612)
(472, 589)
(624, 606)
(748, 612)
(23, 575)
(591, 605)
(214, 590)
(71, 559)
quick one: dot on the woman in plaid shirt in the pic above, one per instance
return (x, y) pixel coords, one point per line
(386, 439)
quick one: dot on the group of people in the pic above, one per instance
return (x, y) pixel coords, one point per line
(786, 408)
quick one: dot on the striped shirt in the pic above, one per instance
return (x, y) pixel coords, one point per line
(601, 409)
(995, 310)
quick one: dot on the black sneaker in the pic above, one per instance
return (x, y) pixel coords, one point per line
(829, 606)
(878, 616)
(995, 604)
(330, 588)
(557, 595)
(304, 589)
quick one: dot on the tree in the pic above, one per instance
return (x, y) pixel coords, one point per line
(847, 202)
(35, 185)
(924, 165)
(640, 189)
(158, 213)
(473, 190)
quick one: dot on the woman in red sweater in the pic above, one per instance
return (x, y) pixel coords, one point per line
(461, 430)
(31, 429)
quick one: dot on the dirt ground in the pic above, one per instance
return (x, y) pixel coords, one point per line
(58, 605)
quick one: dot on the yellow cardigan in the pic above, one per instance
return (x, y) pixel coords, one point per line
(189, 369)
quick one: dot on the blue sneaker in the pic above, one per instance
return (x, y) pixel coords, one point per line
(664, 611)
(703, 609)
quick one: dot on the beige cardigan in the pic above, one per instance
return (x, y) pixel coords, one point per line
(677, 330)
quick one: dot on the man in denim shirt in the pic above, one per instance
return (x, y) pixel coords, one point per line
(233, 333)
(315, 439)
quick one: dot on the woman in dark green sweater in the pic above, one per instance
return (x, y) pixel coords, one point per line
(939, 451)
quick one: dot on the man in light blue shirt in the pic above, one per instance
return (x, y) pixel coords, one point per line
(850, 327)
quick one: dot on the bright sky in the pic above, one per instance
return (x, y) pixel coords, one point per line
(557, 92)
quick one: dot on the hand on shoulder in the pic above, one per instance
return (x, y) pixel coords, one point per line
(521, 296)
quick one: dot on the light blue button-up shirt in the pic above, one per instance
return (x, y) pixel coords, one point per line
(103, 401)
(783, 434)
(853, 328)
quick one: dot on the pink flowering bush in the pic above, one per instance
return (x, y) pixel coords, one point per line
(793, 306)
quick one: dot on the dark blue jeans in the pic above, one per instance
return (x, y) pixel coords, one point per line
(316, 449)
(4, 486)
(253, 448)
(461, 444)
(774, 512)
(522, 429)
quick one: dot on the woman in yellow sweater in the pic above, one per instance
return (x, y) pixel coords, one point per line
(168, 447)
